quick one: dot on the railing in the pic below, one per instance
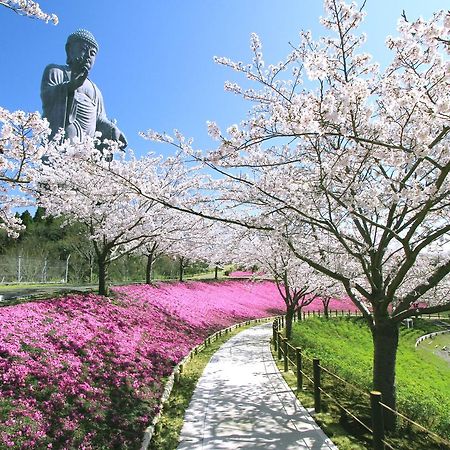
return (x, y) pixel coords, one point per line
(372, 406)
(430, 336)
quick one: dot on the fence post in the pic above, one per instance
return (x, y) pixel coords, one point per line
(316, 371)
(377, 420)
(279, 337)
(178, 373)
(66, 275)
(285, 351)
(19, 269)
(298, 361)
(274, 337)
(44, 271)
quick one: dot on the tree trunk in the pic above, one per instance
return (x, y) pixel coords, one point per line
(148, 268)
(216, 273)
(91, 269)
(290, 310)
(385, 342)
(103, 288)
(326, 312)
(181, 268)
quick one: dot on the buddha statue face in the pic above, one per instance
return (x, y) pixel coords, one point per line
(81, 56)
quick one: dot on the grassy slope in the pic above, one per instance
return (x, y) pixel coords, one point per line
(345, 347)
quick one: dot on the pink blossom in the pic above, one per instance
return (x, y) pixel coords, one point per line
(83, 370)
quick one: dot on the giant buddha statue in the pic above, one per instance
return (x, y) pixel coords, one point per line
(70, 100)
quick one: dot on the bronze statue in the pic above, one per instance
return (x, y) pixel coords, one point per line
(70, 100)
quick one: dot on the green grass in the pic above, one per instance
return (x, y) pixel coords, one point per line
(8, 287)
(430, 349)
(328, 420)
(344, 346)
(168, 429)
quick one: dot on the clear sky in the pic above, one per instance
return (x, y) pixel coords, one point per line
(155, 64)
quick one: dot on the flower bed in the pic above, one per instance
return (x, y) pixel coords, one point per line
(87, 372)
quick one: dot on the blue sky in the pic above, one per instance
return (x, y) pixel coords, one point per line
(155, 65)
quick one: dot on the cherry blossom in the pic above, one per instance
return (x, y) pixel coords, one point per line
(30, 9)
(23, 139)
(353, 160)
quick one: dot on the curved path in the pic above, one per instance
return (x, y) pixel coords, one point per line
(242, 401)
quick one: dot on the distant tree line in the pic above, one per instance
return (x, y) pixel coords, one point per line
(47, 238)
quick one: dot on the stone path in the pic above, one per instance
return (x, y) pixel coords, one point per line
(242, 401)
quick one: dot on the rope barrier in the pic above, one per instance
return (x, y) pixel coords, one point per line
(389, 445)
(421, 427)
(291, 346)
(292, 362)
(345, 381)
(306, 376)
(346, 410)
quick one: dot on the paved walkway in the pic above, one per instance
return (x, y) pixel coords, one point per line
(242, 401)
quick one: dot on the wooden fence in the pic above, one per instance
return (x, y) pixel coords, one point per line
(310, 374)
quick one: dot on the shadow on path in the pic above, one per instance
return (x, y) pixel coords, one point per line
(242, 401)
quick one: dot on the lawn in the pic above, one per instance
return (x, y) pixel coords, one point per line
(344, 346)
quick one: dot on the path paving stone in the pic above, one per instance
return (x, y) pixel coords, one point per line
(242, 401)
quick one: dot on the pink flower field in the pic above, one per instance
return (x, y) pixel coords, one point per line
(87, 372)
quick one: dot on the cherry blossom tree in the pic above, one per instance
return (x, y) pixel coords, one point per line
(73, 185)
(194, 239)
(23, 138)
(297, 283)
(355, 154)
(179, 235)
(30, 9)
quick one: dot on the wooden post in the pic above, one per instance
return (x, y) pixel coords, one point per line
(279, 337)
(298, 361)
(274, 337)
(316, 371)
(178, 373)
(285, 351)
(377, 421)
